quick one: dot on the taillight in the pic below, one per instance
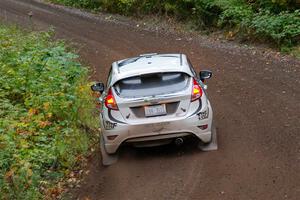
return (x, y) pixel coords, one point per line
(110, 101)
(196, 91)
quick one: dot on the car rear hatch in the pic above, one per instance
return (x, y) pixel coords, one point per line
(153, 97)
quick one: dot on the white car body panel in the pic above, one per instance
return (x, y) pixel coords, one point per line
(128, 124)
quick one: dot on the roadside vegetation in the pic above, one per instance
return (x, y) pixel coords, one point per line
(276, 22)
(45, 114)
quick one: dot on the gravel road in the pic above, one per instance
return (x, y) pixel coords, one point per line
(256, 100)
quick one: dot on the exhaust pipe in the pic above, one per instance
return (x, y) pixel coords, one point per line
(178, 141)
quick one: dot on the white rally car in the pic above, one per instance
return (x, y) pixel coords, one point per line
(154, 99)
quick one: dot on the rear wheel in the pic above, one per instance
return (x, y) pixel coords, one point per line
(107, 159)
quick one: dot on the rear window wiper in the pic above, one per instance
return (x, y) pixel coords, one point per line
(128, 61)
(132, 60)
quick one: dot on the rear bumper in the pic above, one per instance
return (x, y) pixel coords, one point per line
(157, 131)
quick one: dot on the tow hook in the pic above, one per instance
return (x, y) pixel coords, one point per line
(178, 141)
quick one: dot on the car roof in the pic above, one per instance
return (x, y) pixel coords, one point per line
(149, 63)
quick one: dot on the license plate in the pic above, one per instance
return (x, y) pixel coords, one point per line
(156, 110)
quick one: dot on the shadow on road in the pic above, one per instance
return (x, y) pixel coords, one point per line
(165, 151)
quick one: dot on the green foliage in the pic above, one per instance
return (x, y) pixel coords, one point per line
(87, 4)
(276, 6)
(44, 103)
(236, 16)
(283, 28)
(119, 6)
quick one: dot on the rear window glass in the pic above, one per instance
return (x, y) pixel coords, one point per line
(152, 84)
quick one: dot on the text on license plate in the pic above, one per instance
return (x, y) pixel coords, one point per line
(155, 110)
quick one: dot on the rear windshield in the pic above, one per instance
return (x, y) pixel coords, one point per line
(152, 84)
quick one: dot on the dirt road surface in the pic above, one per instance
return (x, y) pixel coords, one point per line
(256, 102)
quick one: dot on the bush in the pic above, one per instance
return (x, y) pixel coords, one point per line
(44, 103)
(284, 28)
(236, 16)
(87, 4)
(276, 6)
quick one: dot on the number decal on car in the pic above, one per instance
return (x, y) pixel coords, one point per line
(109, 125)
(203, 115)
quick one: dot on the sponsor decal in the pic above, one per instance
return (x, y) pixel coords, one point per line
(109, 125)
(203, 115)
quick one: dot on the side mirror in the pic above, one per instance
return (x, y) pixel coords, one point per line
(205, 74)
(98, 87)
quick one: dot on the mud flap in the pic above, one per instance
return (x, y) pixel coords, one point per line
(213, 145)
(107, 159)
